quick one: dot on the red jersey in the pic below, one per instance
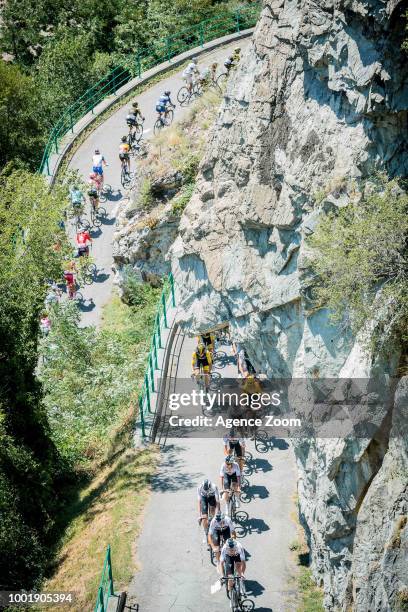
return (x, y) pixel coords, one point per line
(83, 238)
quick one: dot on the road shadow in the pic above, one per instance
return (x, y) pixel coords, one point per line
(254, 588)
(254, 491)
(172, 475)
(279, 443)
(255, 525)
(96, 232)
(259, 465)
(86, 305)
(223, 360)
(101, 277)
(108, 220)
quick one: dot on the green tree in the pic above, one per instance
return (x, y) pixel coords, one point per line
(29, 461)
(361, 262)
(21, 133)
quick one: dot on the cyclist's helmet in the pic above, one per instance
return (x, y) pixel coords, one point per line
(231, 543)
(200, 347)
(237, 50)
(167, 92)
(92, 175)
(206, 485)
(123, 139)
(229, 459)
(135, 104)
(194, 59)
(219, 517)
(232, 432)
(97, 151)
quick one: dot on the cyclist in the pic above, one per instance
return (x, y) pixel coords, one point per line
(45, 324)
(233, 558)
(230, 476)
(124, 156)
(229, 62)
(235, 444)
(236, 56)
(208, 502)
(96, 180)
(208, 339)
(136, 112)
(221, 526)
(190, 72)
(98, 162)
(163, 103)
(93, 196)
(202, 359)
(83, 240)
(76, 197)
(69, 277)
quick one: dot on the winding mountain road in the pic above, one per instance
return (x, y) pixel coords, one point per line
(175, 573)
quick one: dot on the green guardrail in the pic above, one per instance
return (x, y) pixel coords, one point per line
(161, 322)
(105, 589)
(144, 59)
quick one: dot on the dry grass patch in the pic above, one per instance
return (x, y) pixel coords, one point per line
(108, 511)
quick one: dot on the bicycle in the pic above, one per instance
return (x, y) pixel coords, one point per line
(124, 174)
(163, 120)
(222, 80)
(135, 133)
(239, 602)
(86, 270)
(185, 95)
(232, 504)
(97, 214)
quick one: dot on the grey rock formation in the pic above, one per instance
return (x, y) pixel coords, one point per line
(319, 102)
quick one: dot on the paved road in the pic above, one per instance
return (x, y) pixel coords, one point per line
(107, 138)
(175, 571)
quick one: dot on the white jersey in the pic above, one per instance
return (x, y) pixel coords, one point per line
(191, 69)
(220, 525)
(233, 552)
(97, 160)
(228, 470)
(211, 492)
(227, 439)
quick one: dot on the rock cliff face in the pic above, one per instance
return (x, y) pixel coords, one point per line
(319, 102)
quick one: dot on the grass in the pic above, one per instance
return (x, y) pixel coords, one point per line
(310, 594)
(107, 511)
(106, 506)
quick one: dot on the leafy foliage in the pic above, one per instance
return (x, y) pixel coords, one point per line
(90, 376)
(362, 261)
(29, 461)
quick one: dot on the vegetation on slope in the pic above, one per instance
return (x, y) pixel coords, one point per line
(361, 262)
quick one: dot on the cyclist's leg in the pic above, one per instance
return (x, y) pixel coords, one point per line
(204, 513)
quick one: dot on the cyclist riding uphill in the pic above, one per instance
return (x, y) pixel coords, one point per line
(163, 102)
(233, 558)
(220, 530)
(124, 149)
(135, 114)
(98, 161)
(77, 197)
(235, 444)
(83, 240)
(209, 340)
(208, 502)
(190, 72)
(230, 477)
(202, 360)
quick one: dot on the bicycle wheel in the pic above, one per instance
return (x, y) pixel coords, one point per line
(234, 601)
(138, 133)
(247, 605)
(124, 176)
(82, 222)
(221, 80)
(91, 269)
(95, 220)
(168, 117)
(101, 212)
(158, 126)
(244, 482)
(183, 95)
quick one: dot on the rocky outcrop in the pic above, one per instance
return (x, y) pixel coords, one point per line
(319, 102)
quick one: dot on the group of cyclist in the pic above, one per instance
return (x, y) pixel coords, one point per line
(218, 525)
(192, 73)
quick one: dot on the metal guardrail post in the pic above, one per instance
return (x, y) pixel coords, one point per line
(201, 35)
(101, 600)
(158, 331)
(48, 166)
(173, 297)
(142, 421)
(151, 372)
(108, 554)
(56, 143)
(146, 382)
(163, 299)
(71, 120)
(156, 363)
